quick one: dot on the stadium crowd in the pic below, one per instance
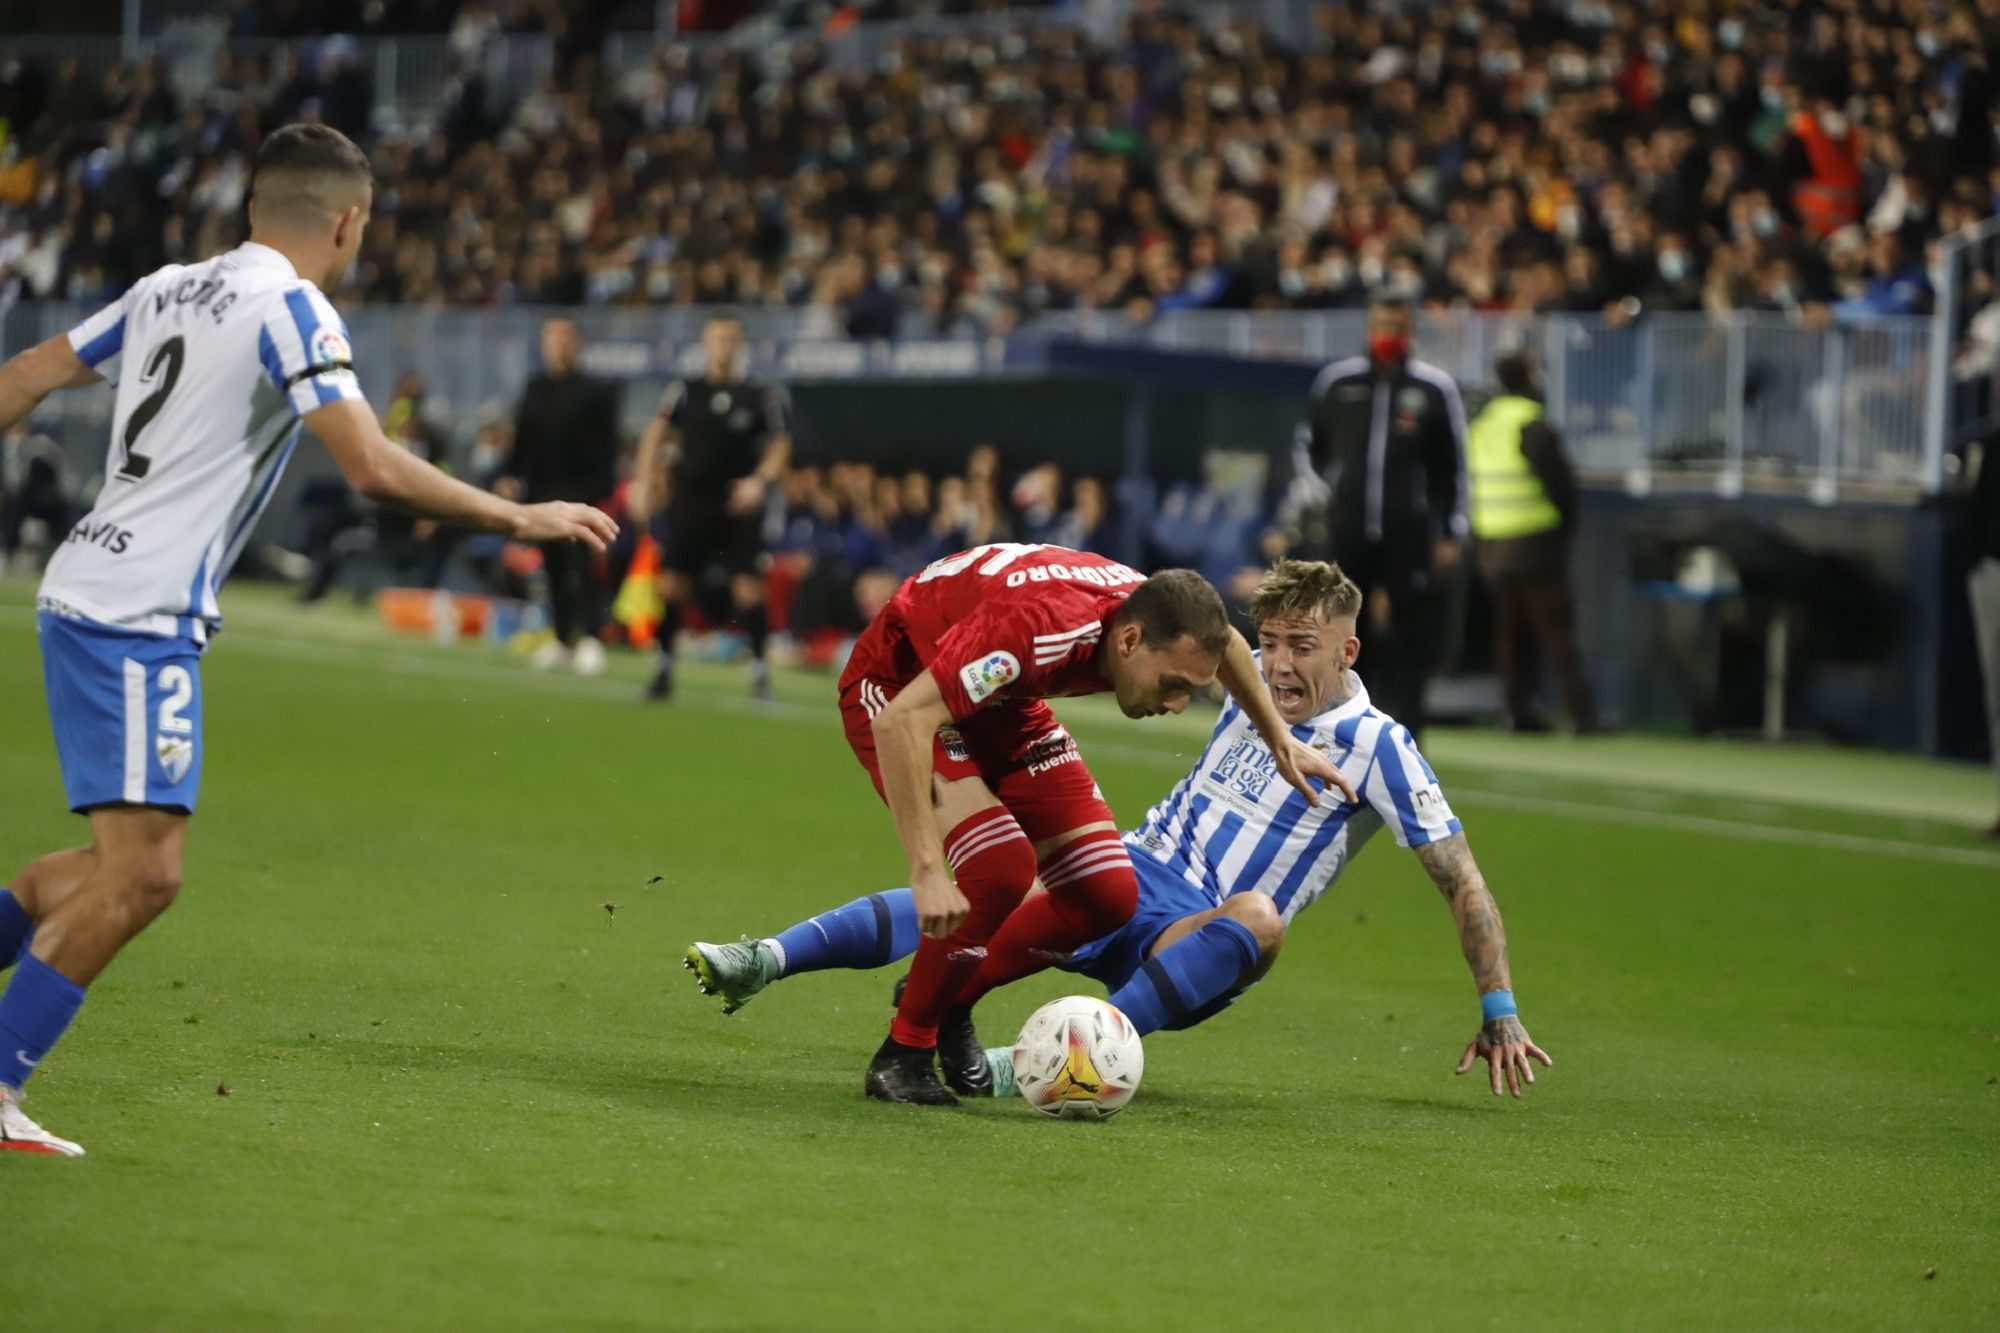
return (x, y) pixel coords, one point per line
(1587, 155)
(837, 537)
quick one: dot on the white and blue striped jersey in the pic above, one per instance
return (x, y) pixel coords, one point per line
(215, 364)
(1232, 825)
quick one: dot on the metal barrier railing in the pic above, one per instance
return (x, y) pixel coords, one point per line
(1749, 397)
(1747, 401)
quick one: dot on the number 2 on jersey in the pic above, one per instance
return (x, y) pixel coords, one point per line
(170, 354)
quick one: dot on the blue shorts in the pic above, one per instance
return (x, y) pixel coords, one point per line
(1164, 898)
(126, 708)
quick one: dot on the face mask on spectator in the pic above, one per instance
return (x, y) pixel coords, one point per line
(1773, 97)
(1673, 265)
(1764, 222)
(1730, 33)
(1388, 346)
(1927, 43)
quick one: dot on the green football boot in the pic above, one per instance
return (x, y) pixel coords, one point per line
(736, 972)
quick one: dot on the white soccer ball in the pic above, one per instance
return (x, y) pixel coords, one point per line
(1078, 1058)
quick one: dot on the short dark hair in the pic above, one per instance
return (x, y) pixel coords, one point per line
(305, 174)
(1175, 602)
(1516, 374)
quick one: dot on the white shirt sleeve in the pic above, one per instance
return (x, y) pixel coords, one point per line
(305, 351)
(1404, 791)
(99, 339)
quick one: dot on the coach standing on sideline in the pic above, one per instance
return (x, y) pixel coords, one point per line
(728, 440)
(1385, 443)
(566, 448)
(1523, 516)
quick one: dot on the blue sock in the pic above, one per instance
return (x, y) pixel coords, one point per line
(1180, 985)
(867, 932)
(38, 1004)
(15, 930)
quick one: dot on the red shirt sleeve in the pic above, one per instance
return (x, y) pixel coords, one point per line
(986, 655)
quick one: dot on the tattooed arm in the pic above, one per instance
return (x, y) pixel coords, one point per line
(1502, 1041)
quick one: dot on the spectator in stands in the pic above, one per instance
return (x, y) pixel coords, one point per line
(1523, 510)
(566, 448)
(1897, 284)
(1086, 526)
(1448, 153)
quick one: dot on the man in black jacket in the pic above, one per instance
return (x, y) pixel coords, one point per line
(729, 440)
(1385, 443)
(566, 448)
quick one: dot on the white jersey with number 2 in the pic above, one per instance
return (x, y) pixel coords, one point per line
(215, 365)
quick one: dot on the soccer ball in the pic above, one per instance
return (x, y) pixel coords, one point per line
(1078, 1059)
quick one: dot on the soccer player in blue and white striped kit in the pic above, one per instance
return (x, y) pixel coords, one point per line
(1230, 858)
(218, 366)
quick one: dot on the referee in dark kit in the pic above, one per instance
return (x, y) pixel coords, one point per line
(726, 441)
(1385, 444)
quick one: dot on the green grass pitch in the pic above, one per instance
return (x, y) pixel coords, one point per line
(415, 1049)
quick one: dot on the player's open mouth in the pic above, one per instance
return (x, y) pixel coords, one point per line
(1287, 695)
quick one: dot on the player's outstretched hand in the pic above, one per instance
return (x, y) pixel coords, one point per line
(1298, 763)
(1506, 1047)
(561, 521)
(940, 905)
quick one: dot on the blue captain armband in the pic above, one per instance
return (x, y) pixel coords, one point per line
(1496, 1004)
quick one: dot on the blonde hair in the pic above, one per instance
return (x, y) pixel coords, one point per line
(1306, 588)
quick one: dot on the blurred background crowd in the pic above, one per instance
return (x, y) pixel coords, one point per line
(1536, 155)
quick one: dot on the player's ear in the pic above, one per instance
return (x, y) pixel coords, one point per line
(1349, 651)
(344, 224)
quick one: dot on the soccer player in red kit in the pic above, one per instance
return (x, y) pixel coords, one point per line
(944, 704)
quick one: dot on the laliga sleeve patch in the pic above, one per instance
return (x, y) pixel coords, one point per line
(329, 349)
(985, 676)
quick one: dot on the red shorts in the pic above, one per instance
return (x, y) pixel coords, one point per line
(1028, 758)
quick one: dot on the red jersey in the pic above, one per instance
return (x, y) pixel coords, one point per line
(1002, 621)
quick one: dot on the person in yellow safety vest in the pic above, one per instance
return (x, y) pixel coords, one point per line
(1523, 513)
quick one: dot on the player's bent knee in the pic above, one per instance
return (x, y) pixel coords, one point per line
(146, 885)
(1261, 915)
(153, 890)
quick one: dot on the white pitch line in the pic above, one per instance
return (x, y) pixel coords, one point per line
(1614, 814)
(265, 643)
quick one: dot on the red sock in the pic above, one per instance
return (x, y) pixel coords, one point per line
(994, 863)
(1092, 891)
